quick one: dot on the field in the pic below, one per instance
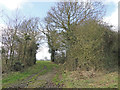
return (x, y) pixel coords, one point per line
(48, 75)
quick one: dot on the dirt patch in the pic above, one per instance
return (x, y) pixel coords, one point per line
(43, 80)
(53, 85)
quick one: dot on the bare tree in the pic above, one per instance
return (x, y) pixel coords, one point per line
(67, 14)
(21, 39)
(9, 36)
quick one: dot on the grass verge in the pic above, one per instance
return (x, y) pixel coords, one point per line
(101, 80)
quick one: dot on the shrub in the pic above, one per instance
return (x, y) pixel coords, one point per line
(18, 66)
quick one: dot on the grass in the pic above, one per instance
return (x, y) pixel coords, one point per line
(70, 79)
(57, 80)
(108, 80)
(101, 79)
(14, 77)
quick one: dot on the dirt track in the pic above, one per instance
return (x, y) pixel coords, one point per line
(40, 81)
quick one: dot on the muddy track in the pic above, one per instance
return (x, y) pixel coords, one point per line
(52, 85)
(40, 81)
(45, 81)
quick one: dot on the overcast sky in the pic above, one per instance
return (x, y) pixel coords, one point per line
(39, 8)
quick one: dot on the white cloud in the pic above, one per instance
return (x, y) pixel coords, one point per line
(0, 43)
(1, 26)
(43, 53)
(113, 19)
(12, 4)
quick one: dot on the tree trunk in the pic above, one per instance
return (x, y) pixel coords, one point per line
(52, 55)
